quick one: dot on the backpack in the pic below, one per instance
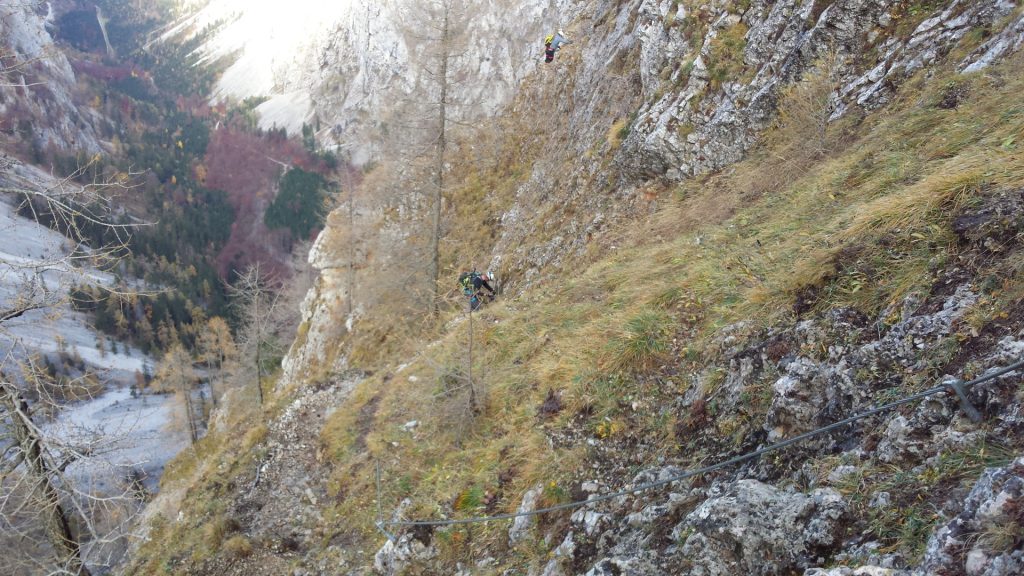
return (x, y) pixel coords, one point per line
(466, 282)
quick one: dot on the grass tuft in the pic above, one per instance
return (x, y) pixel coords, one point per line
(238, 547)
(725, 62)
(644, 342)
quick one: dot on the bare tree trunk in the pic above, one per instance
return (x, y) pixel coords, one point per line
(190, 413)
(442, 145)
(54, 518)
(469, 370)
(215, 381)
(214, 373)
(351, 243)
(259, 347)
(222, 359)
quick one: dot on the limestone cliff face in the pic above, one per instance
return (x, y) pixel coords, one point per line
(372, 62)
(325, 318)
(346, 66)
(38, 104)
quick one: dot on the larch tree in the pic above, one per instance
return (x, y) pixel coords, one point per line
(176, 373)
(256, 303)
(348, 185)
(444, 43)
(367, 216)
(217, 351)
(352, 225)
(285, 319)
(439, 29)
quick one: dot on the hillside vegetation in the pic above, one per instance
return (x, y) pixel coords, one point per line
(661, 344)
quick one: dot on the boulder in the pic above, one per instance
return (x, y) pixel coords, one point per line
(522, 525)
(757, 529)
(406, 550)
(859, 571)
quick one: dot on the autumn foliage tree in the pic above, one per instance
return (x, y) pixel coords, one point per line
(217, 351)
(176, 373)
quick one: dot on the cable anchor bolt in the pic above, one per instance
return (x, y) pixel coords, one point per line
(388, 535)
(957, 386)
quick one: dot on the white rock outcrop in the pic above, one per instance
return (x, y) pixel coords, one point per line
(982, 539)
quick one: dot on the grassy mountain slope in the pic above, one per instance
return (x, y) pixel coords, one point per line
(617, 362)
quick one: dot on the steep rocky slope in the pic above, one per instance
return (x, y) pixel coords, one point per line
(699, 128)
(694, 84)
(582, 108)
(39, 102)
(686, 280)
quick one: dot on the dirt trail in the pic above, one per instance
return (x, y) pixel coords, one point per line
(277, 505)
